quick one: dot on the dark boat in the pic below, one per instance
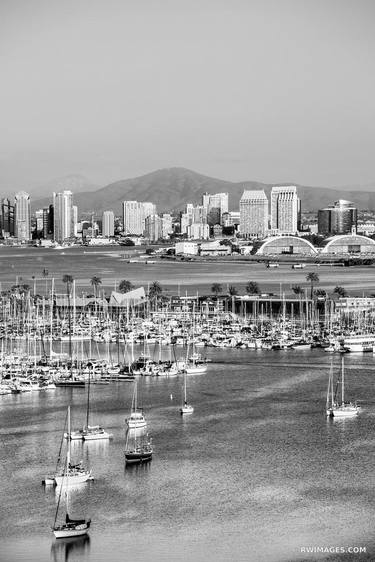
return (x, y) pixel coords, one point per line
(137, 450)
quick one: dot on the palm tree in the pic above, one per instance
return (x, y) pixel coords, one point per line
(216, 288)
(297, 289)
(321, 293)
(340, 291)
(155, 290)
(252, 288)
(68, 280)
(232, 291)
(95, 282)
(313, 278)
(45, 274)
(125, 286)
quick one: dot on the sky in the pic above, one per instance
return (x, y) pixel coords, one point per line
(264, 90)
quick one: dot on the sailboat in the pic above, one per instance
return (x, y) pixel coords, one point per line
(77, 474)
(136, 420)
(138, 448)
(71, 527)
(335, 409)
(89, 432)
(186, 408)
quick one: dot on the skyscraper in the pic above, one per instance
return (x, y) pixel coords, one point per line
(215, 204)
(338, 218)
(254, 214)
(63, 219)
(134, 215)
(108, 223)
(22, 222)
(285, 209)
(6, 219)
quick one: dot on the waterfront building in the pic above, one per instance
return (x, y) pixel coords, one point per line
(254, 214)
(63, 219)
(134, 215)
(215, 204)
(186, 248)
(39, 222)
(345, 244)
(214, 249)
(292, 245)
(285, 210)
(338, 218)
(108, 224)
(6, 218)
(22, 218)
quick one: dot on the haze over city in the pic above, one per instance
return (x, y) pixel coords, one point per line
(262, 90)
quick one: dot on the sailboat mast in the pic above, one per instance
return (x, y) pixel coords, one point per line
(342, 379)
(68, 451)
(88, 400)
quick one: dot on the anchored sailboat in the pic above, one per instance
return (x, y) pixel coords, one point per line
(137, 419)
(334, 409)
(186, 408)
(71, 527)
(77, 474)
(138, 448)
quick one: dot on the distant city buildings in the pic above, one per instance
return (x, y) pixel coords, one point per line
(339, 218)
(63, 220)
(134, 214)
(108, 224)
(285, 210)
(6, 218)
(254, 214)
(22, 218)
(215, 204)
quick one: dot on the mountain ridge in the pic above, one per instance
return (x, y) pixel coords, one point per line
(171, 188)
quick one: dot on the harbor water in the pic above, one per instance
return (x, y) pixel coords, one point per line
(256, 473)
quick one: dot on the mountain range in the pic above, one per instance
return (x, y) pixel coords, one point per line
(172, 188)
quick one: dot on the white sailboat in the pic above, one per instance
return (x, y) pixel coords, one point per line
(89, 432)
(334, 409)
(77, 474)
(136, 419)
(70, 527)
(186, 408)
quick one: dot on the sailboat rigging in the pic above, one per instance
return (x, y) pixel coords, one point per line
(136, 419)
(186, 408)
(335, 409)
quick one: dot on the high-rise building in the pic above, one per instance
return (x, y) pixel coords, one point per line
(198, 231)
(22, 219)
(215, 204)
(285, 210)
(153, 228)
(108, 224)
(193, 215)
(6, 219)
(167, 225)
(339, 218)
(254, 214)
(75, 219)
(134, 215)
(63, 220)
(39, 222)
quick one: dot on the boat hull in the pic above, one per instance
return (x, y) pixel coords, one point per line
(186, 410)
(68, 531)
(134, 458)
(73, 479)
(96, 436)
(350, 412)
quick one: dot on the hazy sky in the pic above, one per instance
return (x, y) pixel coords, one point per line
(265, 90)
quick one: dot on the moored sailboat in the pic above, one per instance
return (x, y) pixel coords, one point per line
(136, 419)
(70, 527)
(334, 409)
(138, 448)
(186, 408)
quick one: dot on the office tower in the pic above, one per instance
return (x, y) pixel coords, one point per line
(254, 214)
(167, 225)
(215, 204)
(63, 221)
(134, 214)
(198, 231)
(285, 210)
(46, 233)
(39, 222)
(75, 219)
(22, 219)
(6, 219)
(192, 215)
(339, 218)
(108, 224)
(153, 228)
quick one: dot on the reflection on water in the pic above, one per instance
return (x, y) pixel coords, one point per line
(63, 550)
